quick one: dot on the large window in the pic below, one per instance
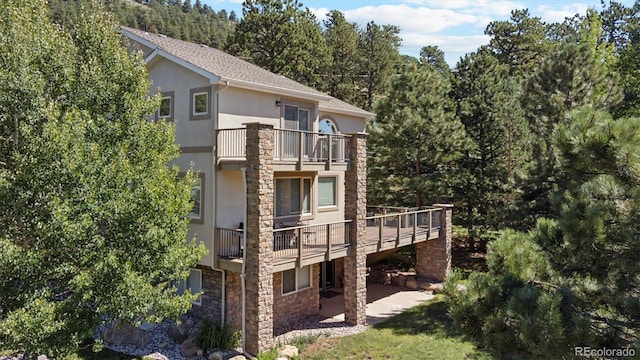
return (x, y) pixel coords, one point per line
(296, 118)
(166, 107)
(200, 107)
(197, 196)
(293, 196)
(327, 191)
(296, 279)
(193, 283)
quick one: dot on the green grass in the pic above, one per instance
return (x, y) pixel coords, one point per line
(423, 332)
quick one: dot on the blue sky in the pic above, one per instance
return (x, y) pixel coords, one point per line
(455, 26)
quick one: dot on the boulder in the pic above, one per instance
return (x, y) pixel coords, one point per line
(189, 348)
(398, 279)
(435, 288)
(238, 357)
(180, 332)
(216, 355)
(288, 351)
(124, 333)
(411, 283)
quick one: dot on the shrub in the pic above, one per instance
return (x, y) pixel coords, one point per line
(213, 335)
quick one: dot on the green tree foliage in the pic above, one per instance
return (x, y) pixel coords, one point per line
(434, 56)
(92, 220)
(283, 37)
(379, 48)
(521, 42)
(342, 37)
(573, 280)
(416, 140)
(572, 77)
(198, 23)
(489, 109)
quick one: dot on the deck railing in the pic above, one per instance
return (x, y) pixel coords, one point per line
(289, 145)
(290, 241)
(395, 224)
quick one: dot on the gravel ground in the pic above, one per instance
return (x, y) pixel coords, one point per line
(317, 325)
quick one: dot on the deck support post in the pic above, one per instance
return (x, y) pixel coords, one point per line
(433, 257)
(355, 264)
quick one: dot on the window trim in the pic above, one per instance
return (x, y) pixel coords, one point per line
(333, 124)
(170, 96)
(297, 287)
(335, 192)
(301, 214)
(198, 220)
(192, 103)
(184, 283)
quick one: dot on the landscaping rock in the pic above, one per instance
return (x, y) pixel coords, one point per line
(120, 333)
(238, 357)
(461, 287)
(189, 348)
(288, 351)
(411, 283)
(398, 279)
(217, 355)
(436, 288)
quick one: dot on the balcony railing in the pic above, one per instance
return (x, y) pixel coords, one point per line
(389, 227)
(291, 241)
(289, 145)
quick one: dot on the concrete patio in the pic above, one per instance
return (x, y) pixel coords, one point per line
(383, 302)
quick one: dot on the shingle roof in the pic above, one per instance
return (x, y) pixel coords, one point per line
(235, 70)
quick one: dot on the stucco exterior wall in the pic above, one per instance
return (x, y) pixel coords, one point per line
(346, 124)
(230, 199)
(240, 106)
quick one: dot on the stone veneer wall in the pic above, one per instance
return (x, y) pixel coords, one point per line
(233, 303)
(259, 247)
(211, 299)
(355, 265)
(290, 308)
(433, 257)
(339, 275)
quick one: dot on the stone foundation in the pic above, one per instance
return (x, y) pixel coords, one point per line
(211, 299)
(289, 308)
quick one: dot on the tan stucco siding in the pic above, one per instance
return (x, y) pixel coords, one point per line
(168, 76)
(230, 199)
(239, 106)
(346, 124)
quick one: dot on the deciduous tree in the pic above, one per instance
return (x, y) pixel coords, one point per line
(92, 219)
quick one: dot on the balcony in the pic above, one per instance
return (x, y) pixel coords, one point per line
(293, 150)
(301, 245)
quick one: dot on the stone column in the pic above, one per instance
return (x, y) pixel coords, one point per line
(433, 257)
(355, 265)
(259, 248)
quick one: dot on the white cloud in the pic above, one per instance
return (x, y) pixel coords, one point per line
(551, 14)
(446, 43)
(408, 18)
(320, 13)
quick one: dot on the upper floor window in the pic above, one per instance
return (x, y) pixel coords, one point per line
(166, 107)
(327, 126)
(197, 196)
(327, 191)
(296, 118)
(200, 103)
(292, 196)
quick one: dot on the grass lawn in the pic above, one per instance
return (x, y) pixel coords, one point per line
(423, 332)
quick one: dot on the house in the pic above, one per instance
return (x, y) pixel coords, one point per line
(280, 200)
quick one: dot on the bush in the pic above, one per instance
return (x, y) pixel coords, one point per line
(213, 335)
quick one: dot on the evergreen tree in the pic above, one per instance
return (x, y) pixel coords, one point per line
(379, 48)
(573, 280)
(415, 142)
(434, 56)
(488, 107)
(282, 37)
(341, 37)
(92, 219)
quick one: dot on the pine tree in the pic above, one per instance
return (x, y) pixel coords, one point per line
(341, 37)
(416, 140)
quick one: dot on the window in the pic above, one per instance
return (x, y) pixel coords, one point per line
(296, 279)
(293, 196)
(197, 196)
(296, 118)
(200, 103)
(166, 107)
(327, 191)
(193, 283)
(327, 126)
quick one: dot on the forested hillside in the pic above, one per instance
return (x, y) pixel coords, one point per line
(184, 20)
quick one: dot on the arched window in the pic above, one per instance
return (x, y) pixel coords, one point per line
(326, 126)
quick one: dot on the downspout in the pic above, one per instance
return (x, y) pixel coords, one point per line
(244, 263)
(223, 286)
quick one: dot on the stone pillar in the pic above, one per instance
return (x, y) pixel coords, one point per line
(259, 248)
(355, 265)
(433, 257)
